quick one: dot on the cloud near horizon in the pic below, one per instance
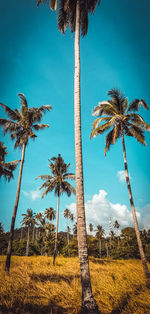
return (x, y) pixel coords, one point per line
(99, 210)
(33, 194)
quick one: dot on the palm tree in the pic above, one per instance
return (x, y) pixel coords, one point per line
(6, 169)
(50, 214)
(116, 226)
(21, 125)
(40, 217)
(28, 221)
(74, 14)
(71, 217)
(58, 183)
(99, 234)
(121, 117)
(91, 227)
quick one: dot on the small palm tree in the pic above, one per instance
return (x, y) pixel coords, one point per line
(58, 183)
(71, 217)
(99, 234)
(21, 126)
(28, 221)
(122, 119)
(50, 214)
(6, 169)
(74, 14)
(116, 226)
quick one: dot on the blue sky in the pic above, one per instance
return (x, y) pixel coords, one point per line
(37, 60)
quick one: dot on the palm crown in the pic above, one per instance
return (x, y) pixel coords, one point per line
(23, 123)
(58, 180)
(67, 13)
(121, 117)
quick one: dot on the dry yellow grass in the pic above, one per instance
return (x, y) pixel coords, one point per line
(36, 286)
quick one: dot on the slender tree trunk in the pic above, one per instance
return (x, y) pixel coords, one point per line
(11, 235)
(144, 262)
(100, 248)
(88, 303)
(28, 240)
(33, 235)
(56, 234)
(21, 233)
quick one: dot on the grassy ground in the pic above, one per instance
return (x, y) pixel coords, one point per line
(36, 286)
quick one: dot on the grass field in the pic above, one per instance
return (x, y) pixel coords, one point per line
(36, 286)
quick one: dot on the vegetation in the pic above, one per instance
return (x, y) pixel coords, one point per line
(21, 125)
(120, 117)
(36, 286)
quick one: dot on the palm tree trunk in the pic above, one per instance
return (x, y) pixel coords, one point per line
(144, 262)
(100, 248)
(11, 235)
(28, 239)
(56, 234)
(88, 303)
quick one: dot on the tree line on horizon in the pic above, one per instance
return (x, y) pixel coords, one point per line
(37, 237)
(115, 114)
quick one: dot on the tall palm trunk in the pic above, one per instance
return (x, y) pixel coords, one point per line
(11, 235)
(144, 262)
(28, 240)
(88, 303)
(56, 234)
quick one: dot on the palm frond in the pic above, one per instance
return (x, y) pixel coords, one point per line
(63, 20)
(12, 114)
(40, 126)
(99, 120)
(137, 133)
(69, 176)
(44, 177)
(109, 141)
(134, 105)
(23, 100)
(84, 16)
(104, 108)
(144, 104)
(92, 5)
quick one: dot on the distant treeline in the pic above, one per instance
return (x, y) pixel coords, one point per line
(41, 242)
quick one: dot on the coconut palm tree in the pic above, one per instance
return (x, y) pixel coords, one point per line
(21, 125)
(99, 234)
(6, 169)
(121, 117)
(28, 221)
(50, 214)
(116, 226)
(58, 183)
(74, 14)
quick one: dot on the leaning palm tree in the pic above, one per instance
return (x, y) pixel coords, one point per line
(21, 125)
(28, 221)
(58, 183)
(6, 168)
(121, 117)
(74, 14)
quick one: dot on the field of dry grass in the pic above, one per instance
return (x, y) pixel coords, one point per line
(36, 286)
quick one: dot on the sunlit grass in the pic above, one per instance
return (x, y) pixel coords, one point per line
(36, 286)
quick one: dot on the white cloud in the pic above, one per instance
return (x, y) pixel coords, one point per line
(33, 194)
(99, 210)
(122, 176)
